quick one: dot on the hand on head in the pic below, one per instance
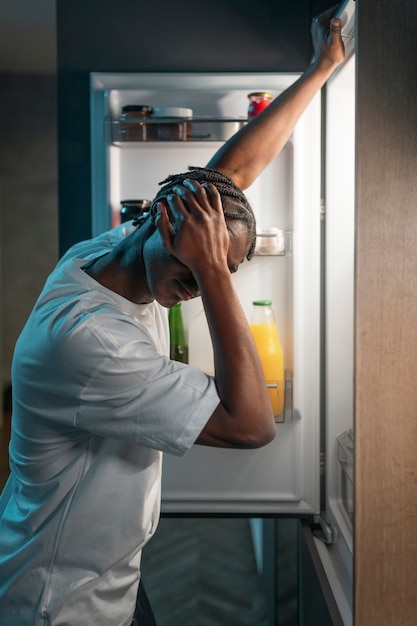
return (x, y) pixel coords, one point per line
(192, 225)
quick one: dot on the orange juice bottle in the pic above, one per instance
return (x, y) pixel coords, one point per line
(265, 333)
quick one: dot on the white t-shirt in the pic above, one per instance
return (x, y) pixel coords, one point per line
(96, 402)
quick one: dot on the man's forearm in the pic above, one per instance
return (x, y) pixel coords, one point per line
(251, 150)
(238, 371)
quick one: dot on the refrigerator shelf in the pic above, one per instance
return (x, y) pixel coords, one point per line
(171, 129)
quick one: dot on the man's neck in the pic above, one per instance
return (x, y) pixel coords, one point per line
(122, 271)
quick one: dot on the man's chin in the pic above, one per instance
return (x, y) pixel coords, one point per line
(167, 304)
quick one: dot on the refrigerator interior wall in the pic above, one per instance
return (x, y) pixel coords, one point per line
(284, 476)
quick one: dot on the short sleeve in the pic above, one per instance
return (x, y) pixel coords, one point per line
(135, 394)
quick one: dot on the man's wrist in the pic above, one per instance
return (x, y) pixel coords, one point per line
(321, 70)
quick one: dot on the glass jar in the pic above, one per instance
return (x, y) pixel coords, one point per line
(258, 101)
(133, 208)
(132, 124)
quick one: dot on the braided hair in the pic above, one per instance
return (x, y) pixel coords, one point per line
(227, 189)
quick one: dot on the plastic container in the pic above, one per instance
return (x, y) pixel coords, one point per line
(172, 123)
(265, 333)
(270, 241)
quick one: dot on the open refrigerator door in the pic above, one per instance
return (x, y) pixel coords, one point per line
(334, 536)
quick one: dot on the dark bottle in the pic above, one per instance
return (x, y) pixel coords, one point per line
(178, 344)
(133, 208)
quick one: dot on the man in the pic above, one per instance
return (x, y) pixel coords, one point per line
(96, 400)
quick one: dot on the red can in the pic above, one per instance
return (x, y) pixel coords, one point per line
(258, 101)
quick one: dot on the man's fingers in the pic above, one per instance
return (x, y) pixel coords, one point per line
(164, 226)
(205, 195)
(335, 26)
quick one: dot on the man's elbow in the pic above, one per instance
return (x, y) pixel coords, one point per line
(259, 438)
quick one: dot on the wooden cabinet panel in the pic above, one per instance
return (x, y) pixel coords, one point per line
(386, 316)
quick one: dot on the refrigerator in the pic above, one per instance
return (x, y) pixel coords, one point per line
(304, 203)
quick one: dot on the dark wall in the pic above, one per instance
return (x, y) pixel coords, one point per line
(159, 36)
(176, 35)
(28, 201)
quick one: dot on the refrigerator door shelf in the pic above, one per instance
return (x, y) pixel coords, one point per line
(220, 481)
(118, 131)
(345, 455)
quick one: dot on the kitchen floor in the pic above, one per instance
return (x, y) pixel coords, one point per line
(202, 572)
(197, 572)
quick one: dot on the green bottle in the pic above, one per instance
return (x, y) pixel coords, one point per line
(178, 345)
